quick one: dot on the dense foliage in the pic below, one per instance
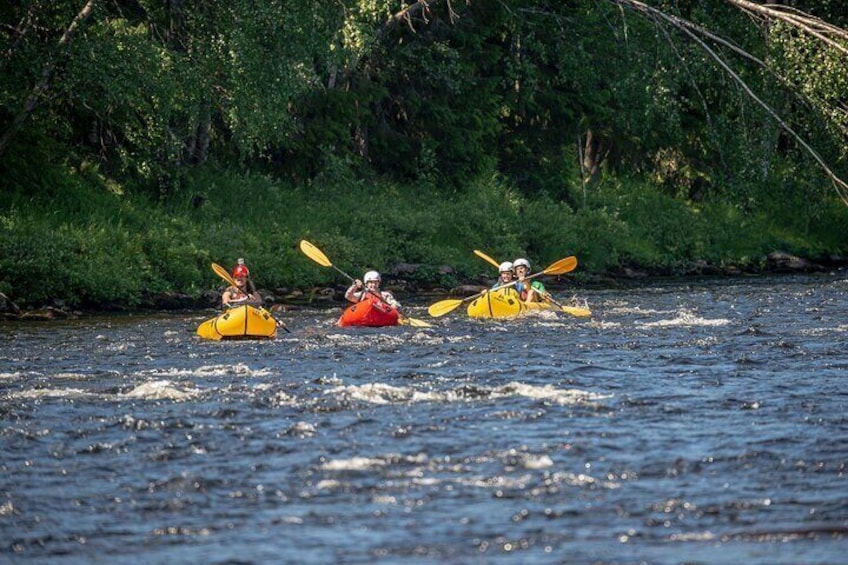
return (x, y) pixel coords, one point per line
(141, 140)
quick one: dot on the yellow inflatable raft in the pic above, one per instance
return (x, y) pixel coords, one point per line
(241, 322)
(506, 303)
(501, 303)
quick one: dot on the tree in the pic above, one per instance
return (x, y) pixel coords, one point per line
(38, 93)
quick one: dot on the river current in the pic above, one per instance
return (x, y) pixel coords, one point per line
(686, 422)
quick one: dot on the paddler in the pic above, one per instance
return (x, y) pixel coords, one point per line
(505, 275)
(359, 291)
(243, 292)
(530, 292)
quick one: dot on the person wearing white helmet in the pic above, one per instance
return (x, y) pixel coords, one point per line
(369, 285)
(505, 275)
(530, 292)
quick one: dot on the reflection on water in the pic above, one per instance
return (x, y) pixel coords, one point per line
(698, 422)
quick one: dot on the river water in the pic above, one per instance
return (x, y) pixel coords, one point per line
(689, 422)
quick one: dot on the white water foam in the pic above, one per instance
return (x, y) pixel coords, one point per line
(369, 463)
(685, 318)
(161, 390)
(380, 393)
(238, 369)
(51, 393)
(548, 392)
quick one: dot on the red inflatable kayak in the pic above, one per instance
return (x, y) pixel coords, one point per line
(369, 312)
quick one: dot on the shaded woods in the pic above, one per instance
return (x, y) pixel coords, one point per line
(142, 140)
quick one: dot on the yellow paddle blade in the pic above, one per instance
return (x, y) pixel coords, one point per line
(562, 266)
(443, 307)
(579, 312)
(573, 310)
(415, 323)
(486, 258)
(223, 273)
(315, 254)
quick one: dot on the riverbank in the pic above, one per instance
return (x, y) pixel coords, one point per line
(81, 244)
(402, 281)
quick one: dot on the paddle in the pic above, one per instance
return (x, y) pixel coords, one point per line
(574, 311)
(318, 256)
(485, 257)
(225, 274)
(560, 267)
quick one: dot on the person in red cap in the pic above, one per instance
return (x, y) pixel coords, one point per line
(243, 292)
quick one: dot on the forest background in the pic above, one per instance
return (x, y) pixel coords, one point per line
(142, 140)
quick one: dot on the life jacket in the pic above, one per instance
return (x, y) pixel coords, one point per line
(380, 303)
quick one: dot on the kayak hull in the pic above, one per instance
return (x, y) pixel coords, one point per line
(535, 306)
(504, 303)
(369, 313)
(241, 322)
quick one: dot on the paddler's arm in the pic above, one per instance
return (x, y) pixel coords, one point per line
(227, 298)
(536, 292)
(352, 294)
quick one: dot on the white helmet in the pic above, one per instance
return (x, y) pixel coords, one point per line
(521, 263)
(505, 266)
(371, 276)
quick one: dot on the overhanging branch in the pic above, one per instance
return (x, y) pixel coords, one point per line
(809, 24)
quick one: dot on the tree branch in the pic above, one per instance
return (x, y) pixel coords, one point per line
(47, 73)
(797, 18)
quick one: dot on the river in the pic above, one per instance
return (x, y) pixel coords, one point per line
(685, 422)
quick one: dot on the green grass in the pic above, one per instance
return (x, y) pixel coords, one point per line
(89, 241)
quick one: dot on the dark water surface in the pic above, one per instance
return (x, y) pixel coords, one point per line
(683, 423)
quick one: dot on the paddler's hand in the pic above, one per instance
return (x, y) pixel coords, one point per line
(358, 284)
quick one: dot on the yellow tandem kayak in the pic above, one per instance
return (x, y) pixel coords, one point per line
(507, 303)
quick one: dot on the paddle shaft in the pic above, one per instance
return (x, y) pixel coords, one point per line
(547, 296)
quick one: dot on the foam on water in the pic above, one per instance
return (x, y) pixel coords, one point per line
(162, 390)
(689, 423)
(381, 393)
(685, 318)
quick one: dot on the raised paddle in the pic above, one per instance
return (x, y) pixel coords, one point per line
(319, 257)
(573, 310)
(225, 274)
(560, 267)
(486, 258)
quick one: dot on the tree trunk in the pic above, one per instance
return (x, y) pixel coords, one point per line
(37, 94)
(202, 134)
(592, 157)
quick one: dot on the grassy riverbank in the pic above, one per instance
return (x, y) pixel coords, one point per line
(75, 236)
